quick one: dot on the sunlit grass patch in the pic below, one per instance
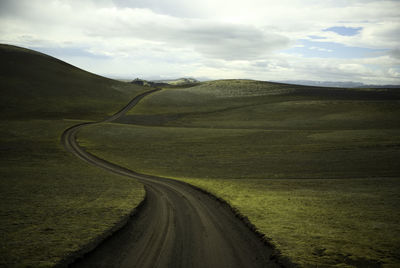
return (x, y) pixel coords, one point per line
(241, 88)
(321, 222)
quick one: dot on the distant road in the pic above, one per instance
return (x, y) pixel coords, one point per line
(178, 226)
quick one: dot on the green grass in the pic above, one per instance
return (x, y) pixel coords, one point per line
(315, 169)
(53, 204)
(337, 222)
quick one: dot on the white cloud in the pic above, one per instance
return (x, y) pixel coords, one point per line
(208, 38)
(320, 49)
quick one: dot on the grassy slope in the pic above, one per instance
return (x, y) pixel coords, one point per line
(52, 203)
(242, 140)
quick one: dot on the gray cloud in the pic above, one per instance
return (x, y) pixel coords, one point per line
(212, 39)
(395, 53)
(232, 42)
(7, 7)
(176, 8)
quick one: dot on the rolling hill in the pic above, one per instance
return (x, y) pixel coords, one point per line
(35, 85)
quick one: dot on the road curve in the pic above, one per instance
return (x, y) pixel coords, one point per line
(177, 226)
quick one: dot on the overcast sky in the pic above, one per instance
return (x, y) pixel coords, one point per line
(325, 40)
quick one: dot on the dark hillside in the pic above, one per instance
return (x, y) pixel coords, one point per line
(35, 85)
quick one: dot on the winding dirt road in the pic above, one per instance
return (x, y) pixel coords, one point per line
(177, 226)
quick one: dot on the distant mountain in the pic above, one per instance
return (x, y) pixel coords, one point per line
(380, 86)
(142, 82)
(179, 81)
(161, 83)
(348, 84)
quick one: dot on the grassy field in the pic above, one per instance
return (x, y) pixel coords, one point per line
(242, 154)
(316, 170)
(53, 204)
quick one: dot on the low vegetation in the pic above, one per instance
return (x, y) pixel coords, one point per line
(242, 154)
(319, 222)
(315, 169)
(52, 204)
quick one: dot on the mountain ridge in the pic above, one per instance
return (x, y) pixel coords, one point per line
(342, 84)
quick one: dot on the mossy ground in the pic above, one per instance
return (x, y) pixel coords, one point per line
(316, 170)
(52, 203)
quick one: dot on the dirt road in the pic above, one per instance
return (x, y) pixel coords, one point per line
(177, 226)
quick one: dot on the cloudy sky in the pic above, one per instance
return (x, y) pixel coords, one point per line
(329, 40)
